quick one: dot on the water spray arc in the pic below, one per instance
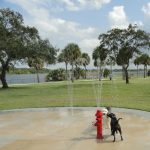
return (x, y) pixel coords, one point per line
(70, 90)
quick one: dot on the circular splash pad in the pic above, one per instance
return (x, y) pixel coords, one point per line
(65, 129)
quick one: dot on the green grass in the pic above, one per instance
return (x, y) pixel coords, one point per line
(117, 94)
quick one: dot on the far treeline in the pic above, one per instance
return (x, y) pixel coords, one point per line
(20, 43)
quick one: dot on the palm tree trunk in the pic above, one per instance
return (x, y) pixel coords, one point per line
(66, 70)
(72, 75)
(85, 71)
(137, 70)
(144, 71)
(97, 73)
(100, 72)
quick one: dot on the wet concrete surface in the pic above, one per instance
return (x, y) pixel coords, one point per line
(67, 129)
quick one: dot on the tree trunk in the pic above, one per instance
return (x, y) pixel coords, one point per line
(72, 75)
(111, 68)
(37, 73)
(144, 71)
(66, 71)
(3, 77)
(85, 71)
(123, 73)
(126, 75)
(137, 70)
(97, 73)
(100, 72)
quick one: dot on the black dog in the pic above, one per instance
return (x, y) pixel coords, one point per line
(115, 126)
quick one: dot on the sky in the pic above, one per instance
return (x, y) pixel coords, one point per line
(80, 21)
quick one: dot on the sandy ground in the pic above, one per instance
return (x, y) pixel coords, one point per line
(64, 129)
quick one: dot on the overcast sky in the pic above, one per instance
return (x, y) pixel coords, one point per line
(80, 21)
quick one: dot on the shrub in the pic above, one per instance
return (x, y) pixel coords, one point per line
(79, 73)
(56, 75)
(106, 73)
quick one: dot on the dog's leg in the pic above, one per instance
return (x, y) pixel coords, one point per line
(113, 133)
(114, 138)
(111, 128)
(120, 134)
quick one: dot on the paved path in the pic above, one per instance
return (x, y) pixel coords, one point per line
(67, 129)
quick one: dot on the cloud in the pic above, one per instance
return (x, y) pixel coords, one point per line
(89, 44)
(62, 32)
(83, 4)
(93, 4)
(59, 31)
(61, 5)
(146, 9)
(70, 5)
(138, 23)
(118, 18)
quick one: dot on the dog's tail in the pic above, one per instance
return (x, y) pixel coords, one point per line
(119, 119)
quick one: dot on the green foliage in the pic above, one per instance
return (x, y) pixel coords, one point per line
(86, 59)
(56, 75)
(36, 63)
(137, 61)
(73, 52)
(19, 42)
(79, 73)
(26, 71)
(99, 53)
(122, 44)
(15, 36)
(106, 72)
(64, 56)
(144, 59)
(15, 39)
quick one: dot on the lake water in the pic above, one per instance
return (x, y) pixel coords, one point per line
(24, 78)
(32, 78)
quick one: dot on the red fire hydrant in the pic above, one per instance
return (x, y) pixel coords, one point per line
(99, 116)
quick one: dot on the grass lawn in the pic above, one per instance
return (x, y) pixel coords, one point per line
(82, 93)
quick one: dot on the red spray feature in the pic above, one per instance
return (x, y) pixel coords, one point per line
(98, 124)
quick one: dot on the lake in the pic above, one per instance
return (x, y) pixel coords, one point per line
(32, 78)
(24, 78)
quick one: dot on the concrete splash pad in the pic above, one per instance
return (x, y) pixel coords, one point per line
(64, 129)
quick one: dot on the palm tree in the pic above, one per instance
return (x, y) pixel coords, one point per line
(74, 53)
(64, 57)
(99, 56)
(145, 60)
(41, 52)
(85, 61)
(137, 63)
(36, 63)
